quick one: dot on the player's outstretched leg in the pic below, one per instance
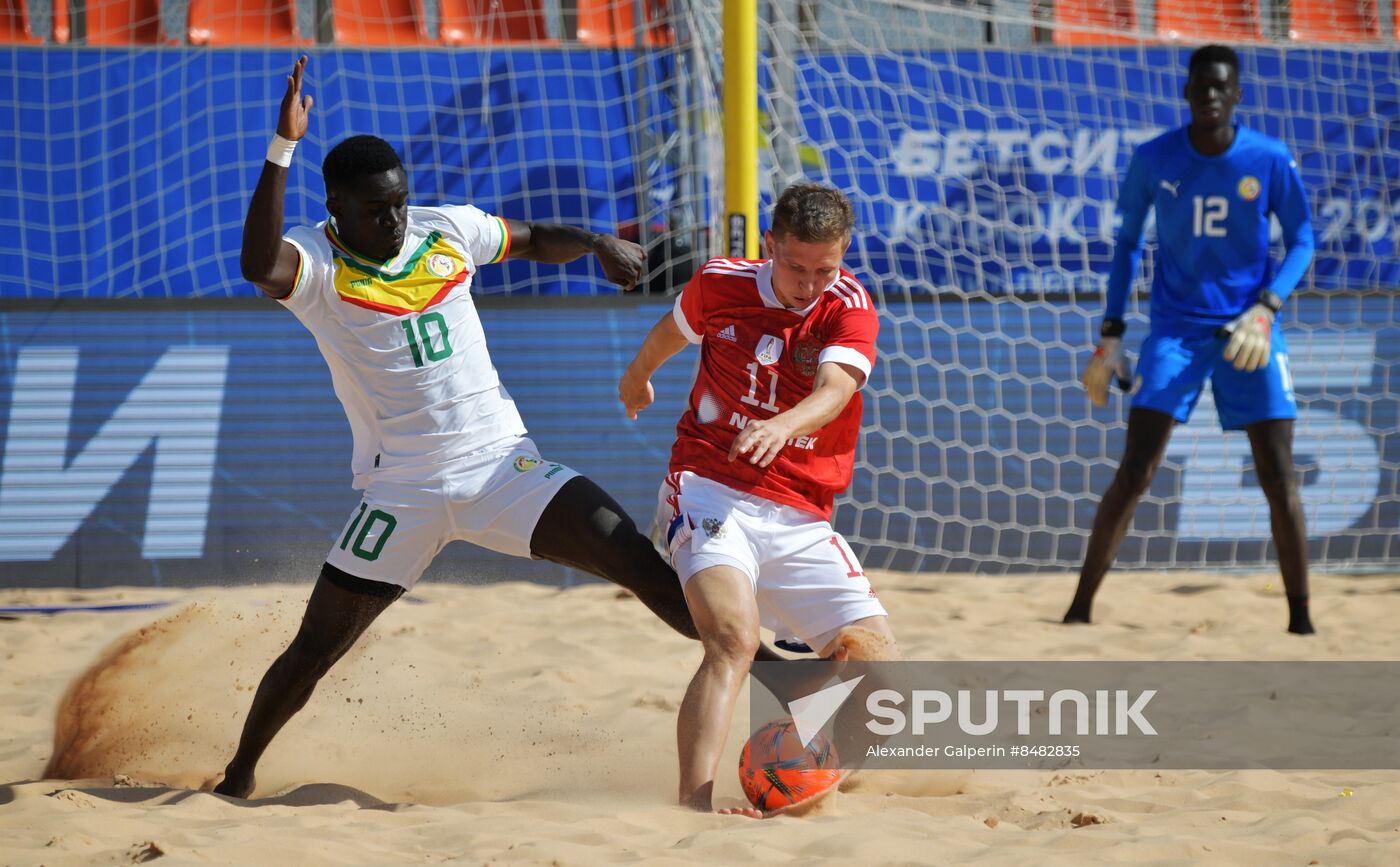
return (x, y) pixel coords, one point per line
(585, 528)
(1147, 435)
(868, 639)
(340, 609)
(1272, 444)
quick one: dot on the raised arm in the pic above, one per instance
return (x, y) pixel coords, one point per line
(556, 244)
(663, 341)
(266, 259)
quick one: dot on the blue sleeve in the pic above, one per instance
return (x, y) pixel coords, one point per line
(1134, 198)
(1289, 203)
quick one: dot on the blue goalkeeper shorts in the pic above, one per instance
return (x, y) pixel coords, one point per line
(1172, 371)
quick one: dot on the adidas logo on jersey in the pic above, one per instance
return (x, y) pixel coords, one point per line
(727, 333)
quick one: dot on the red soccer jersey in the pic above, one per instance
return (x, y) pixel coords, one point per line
(757, 359)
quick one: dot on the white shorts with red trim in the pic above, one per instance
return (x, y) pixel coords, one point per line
(807, 580)
(492, 498)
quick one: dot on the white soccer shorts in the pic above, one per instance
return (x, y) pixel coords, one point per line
(492, 498)
(807, 580)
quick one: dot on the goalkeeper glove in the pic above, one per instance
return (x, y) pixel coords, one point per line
(1249, 335)
(1106, 363)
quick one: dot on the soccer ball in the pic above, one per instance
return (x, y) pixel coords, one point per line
(776, 771)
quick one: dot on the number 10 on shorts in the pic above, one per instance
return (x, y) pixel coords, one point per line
(367, 524)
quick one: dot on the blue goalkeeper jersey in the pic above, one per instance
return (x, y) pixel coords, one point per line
(1212, 229)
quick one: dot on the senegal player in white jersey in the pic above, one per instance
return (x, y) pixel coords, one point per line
(439, 447)
(1215, 292)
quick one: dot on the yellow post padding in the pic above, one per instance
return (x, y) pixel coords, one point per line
(741, 128)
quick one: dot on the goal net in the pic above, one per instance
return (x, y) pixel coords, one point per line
(982, 144)
(587, 113)
(981, 141)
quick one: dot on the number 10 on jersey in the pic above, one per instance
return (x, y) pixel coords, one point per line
(431, 339)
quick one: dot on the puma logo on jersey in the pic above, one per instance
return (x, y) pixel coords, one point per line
(727, 333)
(1171, 187)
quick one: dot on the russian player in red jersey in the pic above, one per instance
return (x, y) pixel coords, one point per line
(767, 442)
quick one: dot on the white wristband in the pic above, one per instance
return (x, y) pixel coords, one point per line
(280, 151)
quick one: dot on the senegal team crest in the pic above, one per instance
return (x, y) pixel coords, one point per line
(713, 527)
(428, 276)
(1248, 188)
(441, 265)
(524, 464)
(806, 353)
(769, 350)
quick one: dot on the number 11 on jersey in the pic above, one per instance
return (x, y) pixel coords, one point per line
(772, 404)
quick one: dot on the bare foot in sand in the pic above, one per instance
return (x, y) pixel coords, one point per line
(801, 808)
(236, 786)
(751, 812)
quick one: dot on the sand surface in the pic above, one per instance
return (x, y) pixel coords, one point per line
(516, 723)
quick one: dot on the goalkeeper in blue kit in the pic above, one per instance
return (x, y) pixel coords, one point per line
(1215, 294)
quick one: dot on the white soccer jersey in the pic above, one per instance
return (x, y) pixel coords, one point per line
(403, 340)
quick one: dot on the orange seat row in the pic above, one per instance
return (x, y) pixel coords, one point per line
(604, 23)
(1114, 22)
